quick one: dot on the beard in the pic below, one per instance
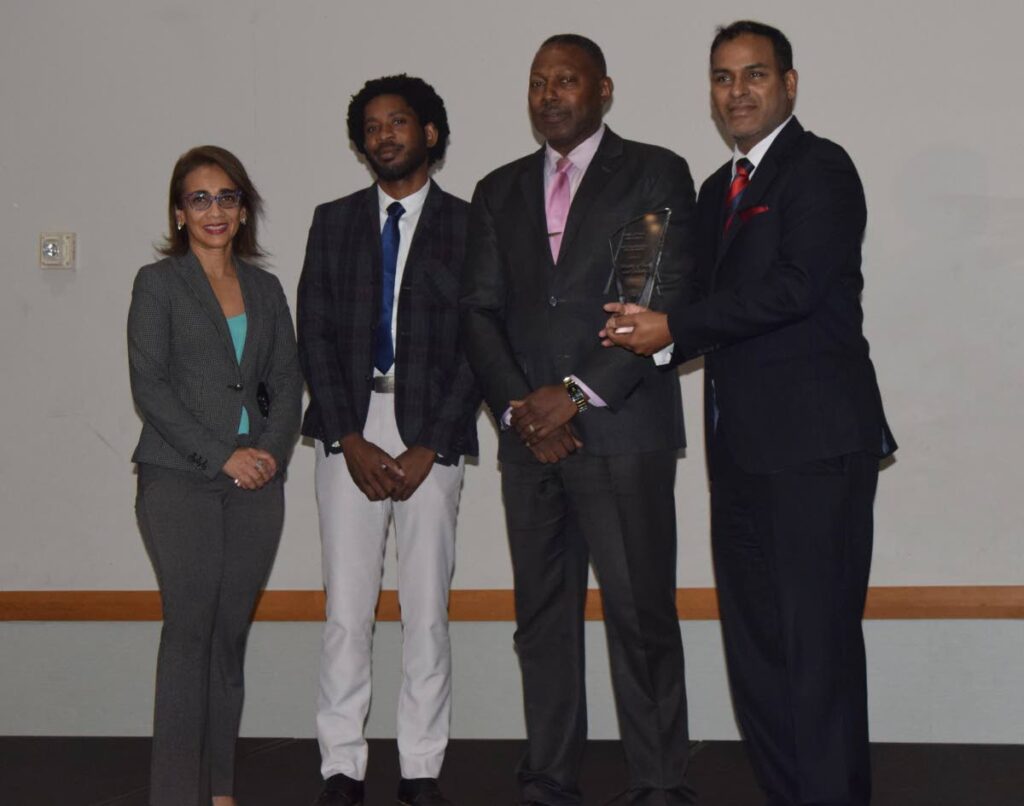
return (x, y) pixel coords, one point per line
(406, 165)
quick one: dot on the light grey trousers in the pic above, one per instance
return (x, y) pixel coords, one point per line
(212, 546)
(353, 531)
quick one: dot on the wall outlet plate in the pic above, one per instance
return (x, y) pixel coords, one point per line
(57, 250)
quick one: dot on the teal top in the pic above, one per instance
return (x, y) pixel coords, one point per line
(238, 326)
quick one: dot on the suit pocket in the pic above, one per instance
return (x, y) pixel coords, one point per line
(750, 212)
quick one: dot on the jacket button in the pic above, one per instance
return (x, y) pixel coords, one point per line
(553, 301)
(236, 386)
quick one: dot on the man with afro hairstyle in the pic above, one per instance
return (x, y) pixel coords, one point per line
(392, 412)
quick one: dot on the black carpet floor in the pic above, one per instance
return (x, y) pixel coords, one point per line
(43, 771)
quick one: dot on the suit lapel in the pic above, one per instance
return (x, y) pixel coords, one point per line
(194, 276)
(371, 216)
(253, 314)
(764, 177)
(424, 230)
(369, 262)
(531, 186)
(604, 165)
(712, 217)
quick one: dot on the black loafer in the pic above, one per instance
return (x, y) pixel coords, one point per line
(421, 792)
(340, 790)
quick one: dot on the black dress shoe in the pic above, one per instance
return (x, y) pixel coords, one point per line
(421, 792)
(340, 790)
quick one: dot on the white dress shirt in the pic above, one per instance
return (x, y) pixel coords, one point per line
(756, 154)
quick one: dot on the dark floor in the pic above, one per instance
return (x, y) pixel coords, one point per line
(284, 772)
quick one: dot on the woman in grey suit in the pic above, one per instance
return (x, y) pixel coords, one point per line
(215, 376)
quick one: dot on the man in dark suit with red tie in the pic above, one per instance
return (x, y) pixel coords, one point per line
(794, 423)
(392, 409)
(589, 436)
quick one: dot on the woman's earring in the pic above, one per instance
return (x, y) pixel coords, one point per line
(180, 225)
(243, 220)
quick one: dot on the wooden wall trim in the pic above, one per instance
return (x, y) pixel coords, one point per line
(694, 604)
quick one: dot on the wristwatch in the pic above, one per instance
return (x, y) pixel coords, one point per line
(577, 395)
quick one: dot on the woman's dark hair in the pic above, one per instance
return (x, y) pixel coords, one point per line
(423, 99)
(245, 244)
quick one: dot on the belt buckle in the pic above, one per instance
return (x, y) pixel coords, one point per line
(384, 384)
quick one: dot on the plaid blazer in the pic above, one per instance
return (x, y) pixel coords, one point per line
(436, 396)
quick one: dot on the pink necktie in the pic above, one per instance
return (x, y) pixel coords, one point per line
(558, 205)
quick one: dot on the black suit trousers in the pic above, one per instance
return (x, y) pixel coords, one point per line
(619, 511)
(792, 553)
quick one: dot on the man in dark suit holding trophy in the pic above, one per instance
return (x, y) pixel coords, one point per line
(589, 437)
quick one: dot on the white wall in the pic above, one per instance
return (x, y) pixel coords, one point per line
(99, 98)
(929, 681)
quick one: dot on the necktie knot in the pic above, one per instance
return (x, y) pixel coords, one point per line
(744, 167)
(395, 210)
(563, 165)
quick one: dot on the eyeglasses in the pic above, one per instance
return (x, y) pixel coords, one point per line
(201, 200)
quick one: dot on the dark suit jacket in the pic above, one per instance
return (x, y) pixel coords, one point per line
(338, 308)
(528, 322)
(186, 380)
(780, 312)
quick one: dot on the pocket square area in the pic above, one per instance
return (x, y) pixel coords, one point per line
(750, 212)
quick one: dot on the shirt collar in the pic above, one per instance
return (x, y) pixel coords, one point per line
(756, 154)
(581, 156)
(412, 203)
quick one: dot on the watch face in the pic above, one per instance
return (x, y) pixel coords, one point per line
(576, 394)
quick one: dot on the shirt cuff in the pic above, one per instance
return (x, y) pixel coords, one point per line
(664, 355)
(592, 399)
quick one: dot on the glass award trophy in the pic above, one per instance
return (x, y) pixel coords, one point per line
(636, 252)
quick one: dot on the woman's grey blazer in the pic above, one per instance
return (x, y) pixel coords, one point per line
(186, 381)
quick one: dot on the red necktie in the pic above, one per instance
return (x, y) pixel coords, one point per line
(739, 184)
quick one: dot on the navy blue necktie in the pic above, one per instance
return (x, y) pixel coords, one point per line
(384, 348)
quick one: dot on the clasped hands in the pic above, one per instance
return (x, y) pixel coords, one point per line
(251, 468)
(541, 419)
(380, 475)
